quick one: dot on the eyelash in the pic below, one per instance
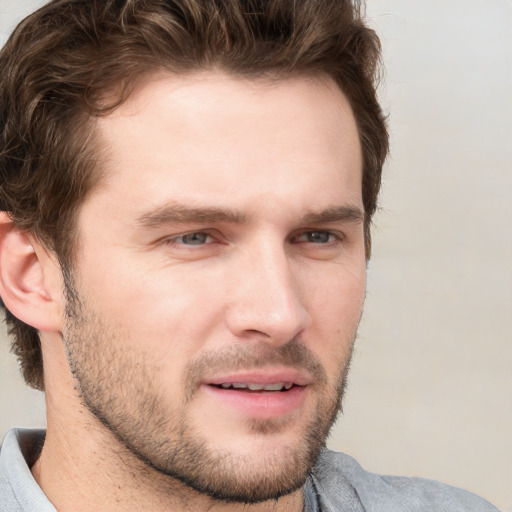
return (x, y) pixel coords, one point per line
(333, 237)
(178, 241)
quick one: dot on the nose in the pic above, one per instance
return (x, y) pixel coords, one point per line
(266, 302)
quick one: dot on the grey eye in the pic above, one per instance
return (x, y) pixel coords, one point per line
(194, 238)
(318, 237)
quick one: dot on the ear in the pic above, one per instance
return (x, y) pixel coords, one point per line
(31, 284)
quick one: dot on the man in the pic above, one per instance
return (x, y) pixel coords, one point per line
(186, 191)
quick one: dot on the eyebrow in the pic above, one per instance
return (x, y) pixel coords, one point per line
(176, 213)
(180, 214)
(351, 214)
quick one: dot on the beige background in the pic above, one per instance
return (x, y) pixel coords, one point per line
(431, 386)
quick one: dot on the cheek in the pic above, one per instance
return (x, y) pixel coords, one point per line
(337, 294)
(171, 311)
(335, 305)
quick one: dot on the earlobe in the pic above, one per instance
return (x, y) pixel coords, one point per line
(28, 283)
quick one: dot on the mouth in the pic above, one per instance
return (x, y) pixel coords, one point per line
(260, 394)
(252, 387)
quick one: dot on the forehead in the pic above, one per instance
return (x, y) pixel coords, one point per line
(197, 136)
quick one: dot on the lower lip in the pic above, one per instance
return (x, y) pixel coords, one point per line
(260, 405)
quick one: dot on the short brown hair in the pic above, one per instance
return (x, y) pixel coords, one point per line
(61, 61)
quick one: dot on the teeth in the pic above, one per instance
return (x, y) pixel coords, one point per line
(278, 386)
(274, 387)
(257, 387)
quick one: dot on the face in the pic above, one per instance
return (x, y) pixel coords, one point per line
(220, 277)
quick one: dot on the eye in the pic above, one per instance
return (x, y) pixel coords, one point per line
(196, 238)
(316, 237)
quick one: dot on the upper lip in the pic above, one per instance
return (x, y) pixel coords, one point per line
(261, 376)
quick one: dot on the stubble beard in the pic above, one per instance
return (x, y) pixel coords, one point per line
(117, 388)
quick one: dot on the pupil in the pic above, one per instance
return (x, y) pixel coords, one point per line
(195, 238)
(318, 237)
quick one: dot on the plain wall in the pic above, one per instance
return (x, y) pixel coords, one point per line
(430, 390)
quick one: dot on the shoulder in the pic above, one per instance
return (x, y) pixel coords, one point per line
(379, 493)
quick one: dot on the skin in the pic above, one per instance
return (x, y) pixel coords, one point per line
(226, 240)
